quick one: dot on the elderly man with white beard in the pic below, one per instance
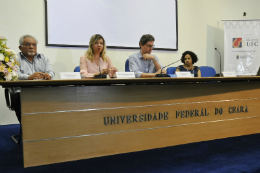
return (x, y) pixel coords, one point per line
(32, 66)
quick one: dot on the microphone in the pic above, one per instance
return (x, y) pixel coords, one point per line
(165, 75)
(100, 75)
(217, 75)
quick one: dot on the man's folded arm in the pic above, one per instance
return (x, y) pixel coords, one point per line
(22, 76)
(157, 63)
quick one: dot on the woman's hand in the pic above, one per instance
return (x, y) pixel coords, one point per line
(112, 71)
(104, 71)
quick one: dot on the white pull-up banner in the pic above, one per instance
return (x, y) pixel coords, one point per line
(242, 50)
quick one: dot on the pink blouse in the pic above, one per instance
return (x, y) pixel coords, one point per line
(88, 68)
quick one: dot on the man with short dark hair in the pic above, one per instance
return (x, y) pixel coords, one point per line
(32, 66)
(143, 63)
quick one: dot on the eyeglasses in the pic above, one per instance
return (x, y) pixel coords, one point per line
(29, 44)
(150, 46)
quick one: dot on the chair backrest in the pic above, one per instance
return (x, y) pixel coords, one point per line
(77, 69)
(207, 71)
(127, 66)
(171, 70)
(9, 97)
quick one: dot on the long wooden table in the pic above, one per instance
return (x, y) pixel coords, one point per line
(64, 120)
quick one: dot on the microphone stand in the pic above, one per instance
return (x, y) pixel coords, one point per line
(218, 75)
(165, 75)
(100, 75)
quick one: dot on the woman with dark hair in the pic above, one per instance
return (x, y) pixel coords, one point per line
(189, 58)
(95, 56)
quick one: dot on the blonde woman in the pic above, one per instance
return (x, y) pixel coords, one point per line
(89, 63)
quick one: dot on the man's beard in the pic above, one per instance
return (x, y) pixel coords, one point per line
(31, 53)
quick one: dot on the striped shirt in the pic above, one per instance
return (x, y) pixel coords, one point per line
(40, 64)
(138, 65)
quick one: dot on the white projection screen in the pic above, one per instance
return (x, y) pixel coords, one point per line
(71, 23)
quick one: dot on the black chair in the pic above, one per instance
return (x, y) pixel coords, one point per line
(9, 98)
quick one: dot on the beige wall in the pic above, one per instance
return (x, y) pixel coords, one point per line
(199, 26)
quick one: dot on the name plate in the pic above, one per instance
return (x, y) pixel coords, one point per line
(70, 75)
(125, 75)
(184, 74)
(229, 74)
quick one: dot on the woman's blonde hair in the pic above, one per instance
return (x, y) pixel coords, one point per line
(90, 52)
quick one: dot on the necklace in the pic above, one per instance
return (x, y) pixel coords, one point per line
(188, 68)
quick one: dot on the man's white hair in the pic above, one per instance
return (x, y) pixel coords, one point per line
(25, 36)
